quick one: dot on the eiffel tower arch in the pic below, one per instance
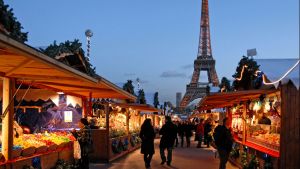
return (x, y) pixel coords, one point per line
(204, 62)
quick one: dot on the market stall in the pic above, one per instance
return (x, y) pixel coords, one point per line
(23, 70)
(121, 137)
(264, 122)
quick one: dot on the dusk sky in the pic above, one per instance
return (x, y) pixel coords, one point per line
(157, 40)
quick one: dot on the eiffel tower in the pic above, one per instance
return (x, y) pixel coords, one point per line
(204, 62)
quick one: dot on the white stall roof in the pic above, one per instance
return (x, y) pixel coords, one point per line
(275, 69)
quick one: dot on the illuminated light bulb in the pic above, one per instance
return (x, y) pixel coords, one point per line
(234, 110)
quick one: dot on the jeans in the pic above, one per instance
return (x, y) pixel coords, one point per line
(199, 140)
(147, 159)
(182, 140)
(85, 161)
(224, 155)
(163, 156)
(188, 141)
(176, 141)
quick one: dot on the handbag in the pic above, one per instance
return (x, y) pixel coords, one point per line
(77, 150)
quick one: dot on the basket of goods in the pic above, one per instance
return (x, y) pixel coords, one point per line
(28, 151)
(41, 149)
(114, 146)
(17, 150)
(52, 147)
(125, 145)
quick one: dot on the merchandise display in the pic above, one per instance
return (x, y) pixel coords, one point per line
(36, 141)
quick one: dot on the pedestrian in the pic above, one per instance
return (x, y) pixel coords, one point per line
(200, 133)
(176, 139)
(188, 133)
(207, 130)
(147, 135)
(181, 132)
(168, 132)
(223, 140)
(85, 141)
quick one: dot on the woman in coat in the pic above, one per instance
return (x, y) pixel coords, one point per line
(147, 135)
(85, 140)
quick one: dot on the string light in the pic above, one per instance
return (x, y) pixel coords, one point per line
(277, 81)
(241, 75)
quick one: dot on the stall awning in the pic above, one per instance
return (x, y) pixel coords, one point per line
(138, 107)
(220, 100)
(20, 61)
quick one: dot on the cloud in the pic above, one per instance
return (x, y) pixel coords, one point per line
(170, 74)
(129, 74)
(144, 81)
(189, 66)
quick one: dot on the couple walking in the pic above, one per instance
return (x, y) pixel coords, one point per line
(168, 132)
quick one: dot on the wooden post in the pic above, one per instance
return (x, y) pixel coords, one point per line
(84, 108)
(90, 112)
(140, 119)
(106, 109)
(153, 119)
(244, 123)
(127, 122)
(7, 123)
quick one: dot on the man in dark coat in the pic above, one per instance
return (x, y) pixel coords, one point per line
(168, 132)
(181, 132)
(188, 133)
(147, 135)
(207, 130)
(223, 140)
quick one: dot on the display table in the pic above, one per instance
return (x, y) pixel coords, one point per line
(47, 159)
(108, 149)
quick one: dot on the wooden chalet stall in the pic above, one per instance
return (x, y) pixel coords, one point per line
(265, 122)
(20, 65)
(122, 135)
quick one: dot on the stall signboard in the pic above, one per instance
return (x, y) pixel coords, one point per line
(68, 116)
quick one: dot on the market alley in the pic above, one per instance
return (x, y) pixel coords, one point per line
(183, 158)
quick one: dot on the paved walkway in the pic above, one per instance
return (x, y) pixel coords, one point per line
(183, 158)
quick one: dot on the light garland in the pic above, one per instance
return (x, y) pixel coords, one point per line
(277, 81)
(241, 75)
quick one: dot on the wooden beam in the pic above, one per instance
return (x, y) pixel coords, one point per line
(18, 67)
(42, 77)
(69, 85)
(8, 120)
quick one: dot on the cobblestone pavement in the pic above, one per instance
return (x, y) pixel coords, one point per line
(183, 158)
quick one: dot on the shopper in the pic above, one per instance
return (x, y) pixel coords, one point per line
(200, 133)
(223, 140)
(168, 132)
(207, 130)
(188, 133)
(147, 135)
(85, 141)
(176, 139)
(181, 132)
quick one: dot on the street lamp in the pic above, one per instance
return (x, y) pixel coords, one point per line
(88, 34)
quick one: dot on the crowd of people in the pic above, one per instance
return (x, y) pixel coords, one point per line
(170, 131)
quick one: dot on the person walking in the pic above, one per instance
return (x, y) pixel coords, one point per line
(200, 133)
(147, 135)
(188, 133)
(168, 132)
(176, 138)
(223, 140)
(207, 130)
(85, 141)
(181, 132)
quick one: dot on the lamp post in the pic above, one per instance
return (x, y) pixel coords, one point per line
(88, 34)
